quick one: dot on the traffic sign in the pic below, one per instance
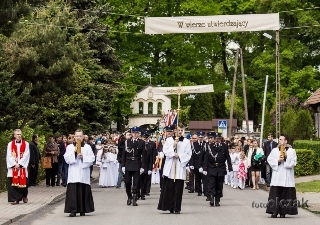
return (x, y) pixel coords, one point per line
(222, 124)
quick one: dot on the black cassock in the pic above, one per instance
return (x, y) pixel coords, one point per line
(79, 198)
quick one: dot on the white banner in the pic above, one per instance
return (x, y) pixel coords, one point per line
(208, 24)
(183, 89)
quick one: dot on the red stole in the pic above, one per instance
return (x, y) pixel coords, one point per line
(18, 181)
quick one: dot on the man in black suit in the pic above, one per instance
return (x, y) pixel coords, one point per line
(214, 165)
(34, 161)
(133, 161)
(150, 148)
(267, 148)
(195, 162)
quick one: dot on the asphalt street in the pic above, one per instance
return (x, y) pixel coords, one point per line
(237, 207)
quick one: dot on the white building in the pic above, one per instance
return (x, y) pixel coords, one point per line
(148, 107)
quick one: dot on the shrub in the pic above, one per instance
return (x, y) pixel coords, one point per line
(306, 162)
(307, 144)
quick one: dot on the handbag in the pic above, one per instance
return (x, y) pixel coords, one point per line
(46, 162)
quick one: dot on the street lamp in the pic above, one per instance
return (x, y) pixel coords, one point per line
(277, 79)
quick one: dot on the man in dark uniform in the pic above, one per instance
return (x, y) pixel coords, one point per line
(214, 165)
(149, 152)
(211, 144)
(154, 154)
(133, 161)
(196, 161)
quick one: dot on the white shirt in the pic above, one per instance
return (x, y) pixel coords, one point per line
(283, 174)
(79, 169)
(176, 167)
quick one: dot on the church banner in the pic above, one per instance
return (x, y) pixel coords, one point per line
(209, 24)
(183, 89)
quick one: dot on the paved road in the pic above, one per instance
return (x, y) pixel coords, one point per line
(110, 203)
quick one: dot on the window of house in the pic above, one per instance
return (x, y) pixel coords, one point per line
(140, 107)
(150, 108)
(159, 107)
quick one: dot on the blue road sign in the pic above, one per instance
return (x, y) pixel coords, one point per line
(222, 124)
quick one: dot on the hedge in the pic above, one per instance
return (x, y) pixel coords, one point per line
(307, 162)
(307, 144)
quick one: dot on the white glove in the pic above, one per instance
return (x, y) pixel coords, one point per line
(141, 171)
(200, 170)
(205, 173)
(188, 169)
(161, 155)
(149, 172)
(123, 170)
(192, 167)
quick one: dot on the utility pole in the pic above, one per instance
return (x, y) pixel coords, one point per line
(233, 93)
(278, 108)
(244, 93)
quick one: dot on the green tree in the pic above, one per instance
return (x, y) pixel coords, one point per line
(201, 108)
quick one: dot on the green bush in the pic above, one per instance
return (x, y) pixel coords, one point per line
(308, 144)
(306, 162)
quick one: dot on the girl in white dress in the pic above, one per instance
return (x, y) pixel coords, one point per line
(113, 166)
(102, 163)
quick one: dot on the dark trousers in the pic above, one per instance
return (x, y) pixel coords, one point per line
(205, 184)
(51, 174)
(215, 186)
(197, 179)
(33, 174)
(161, 178)
(191, 180)
(131, 180)
(62, 173)
(149, 184)
(143, 184)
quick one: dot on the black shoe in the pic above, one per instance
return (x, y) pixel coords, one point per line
(82, 214)
(186, 187)
(274, 215)
(282, 215)
(72, 214)
(190, 191)
(143, 198)
(171, 211)
(48, 185)
(208, 198)
(148, 194)
(177, 212)
(129, 201)
(199, 194)
(212, 201)
(134, 202)
(268, 185)
(217, 202)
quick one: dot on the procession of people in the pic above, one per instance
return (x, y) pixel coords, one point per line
(202, 163)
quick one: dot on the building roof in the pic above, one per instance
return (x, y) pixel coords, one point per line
(314, 98)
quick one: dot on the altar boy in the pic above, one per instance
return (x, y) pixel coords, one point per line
(79, 196)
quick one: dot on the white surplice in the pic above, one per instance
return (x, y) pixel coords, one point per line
(11, 161)
(176, 165)
(283, 174)
(79, 169)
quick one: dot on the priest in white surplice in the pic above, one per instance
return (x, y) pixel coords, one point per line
(178, 153)
(282, 196)
(79, 196)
